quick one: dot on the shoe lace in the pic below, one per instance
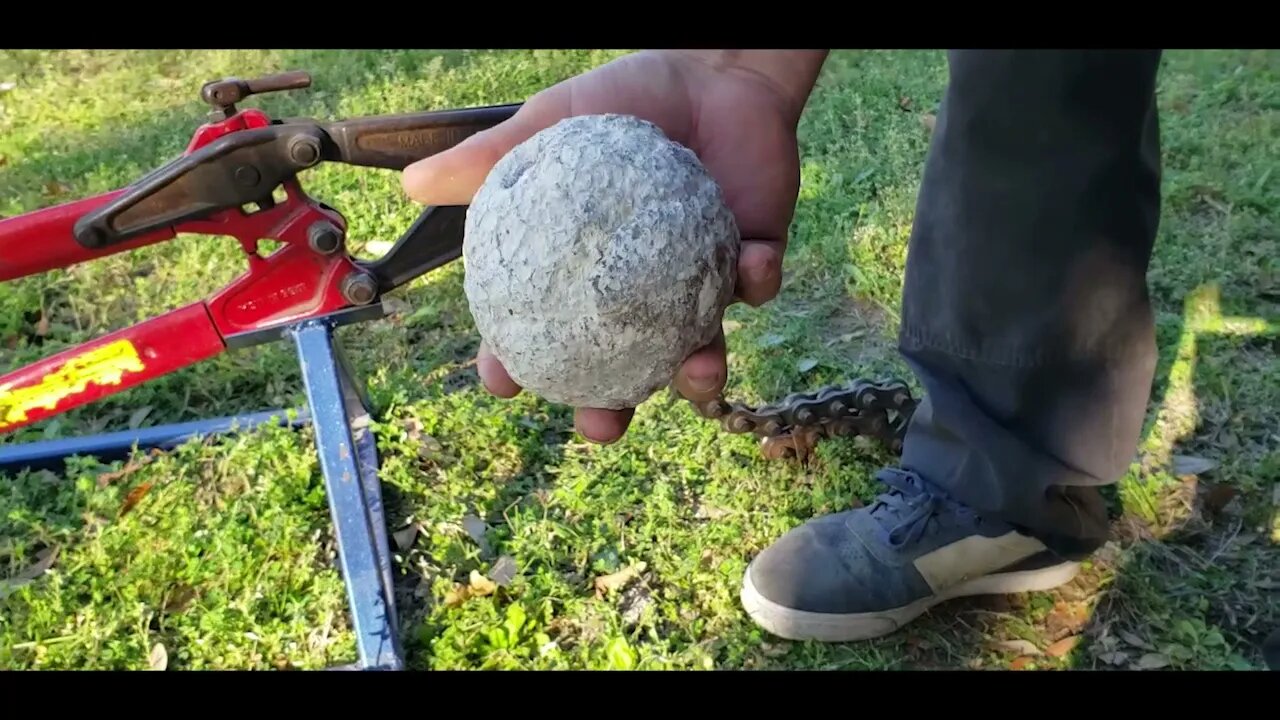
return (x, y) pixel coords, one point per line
(910, 508)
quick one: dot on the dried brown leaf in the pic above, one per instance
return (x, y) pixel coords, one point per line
(135, 496)
(458, 595)
(616, 581)
(159, 658)
(1021, 662)
(1218, 497)
(42, 325)
(1020, 647)
(1066, 618)
(904, 103)
(1063, 646)
(133, 466)
(481, 585)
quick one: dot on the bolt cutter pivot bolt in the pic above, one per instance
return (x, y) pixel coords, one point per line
(304, 150)
(359, 288)
(324, 238)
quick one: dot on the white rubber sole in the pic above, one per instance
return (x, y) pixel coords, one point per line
(800, 625)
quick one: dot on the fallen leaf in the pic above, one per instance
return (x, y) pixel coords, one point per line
(404, 538)
(481, 585)
(457, 595)
(133, 466)
(44, 561)
(139, 415)
(615, 581)
(1217, 496)
(1063, 646)
(806, 364)
(1021, 647)
(135, 496)
(904, 103)
(1135, 641)
(503, 571)
(1151, 661)
(159, 658)
(846, 337)
(476, 529)
(54, 188)
(1021, 662)
(710, 512)
(1066, 618)
(1116, 657)
(929, 121)
(1192, 465)
(42, 326)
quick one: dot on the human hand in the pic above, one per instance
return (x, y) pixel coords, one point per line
(737, 110)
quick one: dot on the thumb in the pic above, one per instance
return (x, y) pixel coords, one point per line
(453, 176)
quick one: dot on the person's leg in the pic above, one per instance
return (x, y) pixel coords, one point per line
(1026, 318)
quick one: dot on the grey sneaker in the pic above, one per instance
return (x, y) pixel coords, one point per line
(867, 572)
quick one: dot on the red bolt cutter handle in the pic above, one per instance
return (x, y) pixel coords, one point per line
(237, 161)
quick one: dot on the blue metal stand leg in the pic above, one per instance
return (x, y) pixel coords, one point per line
(348, 459)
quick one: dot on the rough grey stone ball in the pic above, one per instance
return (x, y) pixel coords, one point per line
(599, 254)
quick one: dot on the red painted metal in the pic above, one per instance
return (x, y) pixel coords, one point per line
(108, 365)
(293, 283)
(41, 241)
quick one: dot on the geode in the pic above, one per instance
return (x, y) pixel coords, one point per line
(599, 254)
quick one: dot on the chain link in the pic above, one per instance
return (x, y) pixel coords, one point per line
(879, 410)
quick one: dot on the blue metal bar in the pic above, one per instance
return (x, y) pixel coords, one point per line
(349, 471)
(108, 447)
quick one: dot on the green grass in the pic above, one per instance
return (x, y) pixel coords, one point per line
(225, 555)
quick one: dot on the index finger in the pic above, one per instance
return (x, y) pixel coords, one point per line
(454, 176)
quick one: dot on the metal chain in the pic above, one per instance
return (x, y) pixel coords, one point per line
(879, 410)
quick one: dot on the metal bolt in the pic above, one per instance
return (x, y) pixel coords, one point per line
(248, 175)
(304, 150)
(324, 238)
(359, 288)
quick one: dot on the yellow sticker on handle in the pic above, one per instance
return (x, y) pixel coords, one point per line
(103, 365)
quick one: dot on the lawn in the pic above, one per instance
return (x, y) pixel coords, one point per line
(221, 555)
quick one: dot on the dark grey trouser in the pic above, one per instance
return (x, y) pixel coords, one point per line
(1025, 312)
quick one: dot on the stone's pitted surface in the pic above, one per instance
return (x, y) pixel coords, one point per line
(599, 254)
